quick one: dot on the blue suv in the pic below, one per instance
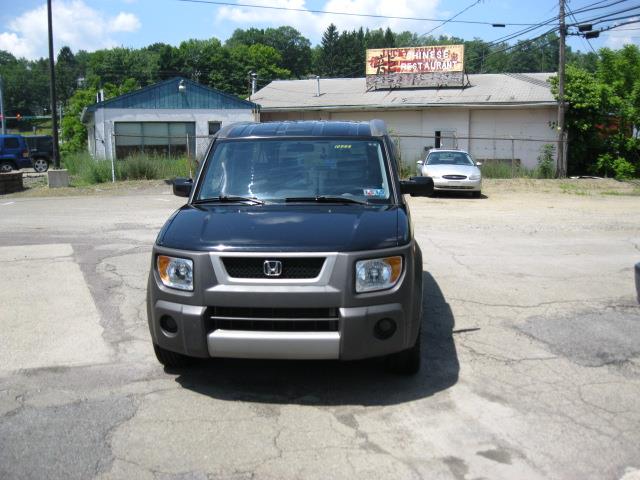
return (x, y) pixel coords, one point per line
(14, 153)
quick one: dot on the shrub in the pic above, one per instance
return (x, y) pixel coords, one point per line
(546, 167)
(604, 163)
(623, 169)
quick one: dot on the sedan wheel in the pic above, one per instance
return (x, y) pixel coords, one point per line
(5, 167)
(40, 165)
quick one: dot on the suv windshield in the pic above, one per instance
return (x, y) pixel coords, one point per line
(297, 169)
(449, 158)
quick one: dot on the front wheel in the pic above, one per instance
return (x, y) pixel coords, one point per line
(477, 194)
(40, 165)
(5, 167)
(407, 362)
(171, 359)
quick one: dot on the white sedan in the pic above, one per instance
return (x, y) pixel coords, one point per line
(452, 170)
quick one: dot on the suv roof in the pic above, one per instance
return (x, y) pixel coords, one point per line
(373, 128)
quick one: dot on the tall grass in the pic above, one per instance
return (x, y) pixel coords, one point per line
(86, 170)
(505, 170)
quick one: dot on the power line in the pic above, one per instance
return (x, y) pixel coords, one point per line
(451, 19)
(584, 40)
(592, 20)
(349, 14)
(585, 9)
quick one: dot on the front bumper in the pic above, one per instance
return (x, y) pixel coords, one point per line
(457, 185)
(357, 314)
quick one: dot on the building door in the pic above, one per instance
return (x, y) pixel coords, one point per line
(446, 139)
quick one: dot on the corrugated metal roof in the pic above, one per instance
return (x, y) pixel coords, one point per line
(165, 95)
(350, 93)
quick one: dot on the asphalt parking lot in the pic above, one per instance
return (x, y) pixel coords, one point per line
(531, 349)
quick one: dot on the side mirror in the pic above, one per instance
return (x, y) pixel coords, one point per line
(478, 164)
(182, 186)
(417, 186)
(420, 163)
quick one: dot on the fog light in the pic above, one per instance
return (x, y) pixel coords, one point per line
(168, 324)
(384, 328)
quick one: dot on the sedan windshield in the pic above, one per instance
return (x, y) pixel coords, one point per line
(297, 170)
(449, 158)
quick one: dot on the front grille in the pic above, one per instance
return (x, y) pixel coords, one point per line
(274, 326)
(272, 313)
(456, 187)
(273, 319)
(292, 267)
(455, 177)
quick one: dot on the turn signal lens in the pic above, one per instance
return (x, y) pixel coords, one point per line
(378, 273)
(175, 272)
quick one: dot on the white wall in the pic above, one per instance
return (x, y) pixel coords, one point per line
(104, 119)
(522, 122)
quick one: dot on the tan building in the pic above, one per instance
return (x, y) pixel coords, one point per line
(497, 116)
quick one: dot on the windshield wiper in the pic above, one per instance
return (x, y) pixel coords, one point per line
(228, 199)
(325, 199)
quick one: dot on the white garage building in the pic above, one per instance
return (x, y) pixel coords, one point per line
(496, 117)
(173, 117)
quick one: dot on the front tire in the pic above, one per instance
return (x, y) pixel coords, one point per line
(171, 359)
(40, 165)
(477, 194)
(407, 362)
(5, 167)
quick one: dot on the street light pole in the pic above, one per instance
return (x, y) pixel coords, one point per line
(561, 160)
(52, 92)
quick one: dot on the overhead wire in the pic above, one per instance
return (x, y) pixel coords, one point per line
(584, 40)
(452, 18)
(350, 14)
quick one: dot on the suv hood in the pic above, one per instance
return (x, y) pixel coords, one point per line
(294, 227)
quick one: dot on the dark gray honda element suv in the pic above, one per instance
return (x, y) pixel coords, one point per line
(295, 243)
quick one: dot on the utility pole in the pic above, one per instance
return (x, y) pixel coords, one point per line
(52, 92)
(4, 121)
(561, 160)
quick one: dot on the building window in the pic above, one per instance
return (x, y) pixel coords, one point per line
(214, 127)
(155, 138)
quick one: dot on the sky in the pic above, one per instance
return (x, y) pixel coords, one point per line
(94, 24)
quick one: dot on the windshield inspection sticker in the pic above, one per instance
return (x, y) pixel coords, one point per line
(374, 192)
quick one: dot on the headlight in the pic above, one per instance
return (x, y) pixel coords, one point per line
(378, 273)
(427, 174)
(175, 272)
(475, 177)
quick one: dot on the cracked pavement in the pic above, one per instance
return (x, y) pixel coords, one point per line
(532, 360)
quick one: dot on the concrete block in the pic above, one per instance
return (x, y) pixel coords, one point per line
(58, 178)
(11, 182)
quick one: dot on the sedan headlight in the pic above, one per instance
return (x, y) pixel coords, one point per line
(474, 177)
(428, 174)
(378, 273)
(175, 272)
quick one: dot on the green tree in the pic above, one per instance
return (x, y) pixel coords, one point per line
(74, 132)
(67, 73)
(330, 52)
(604, 113)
